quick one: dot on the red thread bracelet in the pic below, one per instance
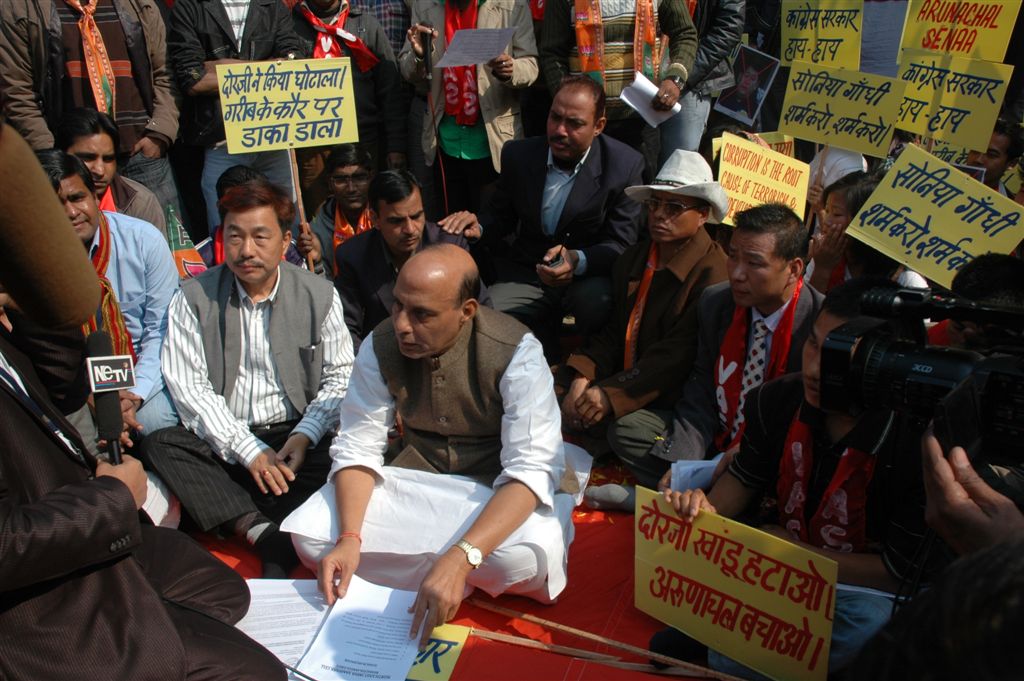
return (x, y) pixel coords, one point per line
(355, 535)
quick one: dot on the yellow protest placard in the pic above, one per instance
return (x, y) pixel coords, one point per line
(287, 104)
(760, 600)
(841, 108)
(952, 154)
(752, 174)
(822, 32)
(979, 29)
(1012, 180)
(777, 141)
(951, 98)
(436, 661)
(934, 219)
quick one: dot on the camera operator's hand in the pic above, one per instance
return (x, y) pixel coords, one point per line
(961, 507)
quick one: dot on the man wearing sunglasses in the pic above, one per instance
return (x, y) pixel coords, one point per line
(623, 382)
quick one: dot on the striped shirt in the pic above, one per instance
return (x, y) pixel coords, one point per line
(237, 11)
(258, 398)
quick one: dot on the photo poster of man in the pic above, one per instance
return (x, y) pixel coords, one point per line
(754, 72)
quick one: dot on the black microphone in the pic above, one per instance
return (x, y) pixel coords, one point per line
(109, 421)
(427, 40)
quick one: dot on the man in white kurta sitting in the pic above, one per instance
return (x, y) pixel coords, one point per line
(471, 500)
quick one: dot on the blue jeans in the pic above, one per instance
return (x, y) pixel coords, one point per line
(156, 175)
(858, 618)
(684, 130)
(273, 164)
(157, 412)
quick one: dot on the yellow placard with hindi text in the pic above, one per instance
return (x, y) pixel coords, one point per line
(436, 661)
(934, 219)
(758, 599)
(953, 99)
(822, 32)
(752, 174)
(953, 154)
(979, 29)
(287, 104)
(846, 109)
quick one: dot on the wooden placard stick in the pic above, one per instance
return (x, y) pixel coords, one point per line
(693, 669)
(303, 225)
(578, 653)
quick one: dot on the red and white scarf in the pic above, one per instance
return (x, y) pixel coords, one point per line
(729, 371)
(327, 45)
(461, 98)
(840, 521)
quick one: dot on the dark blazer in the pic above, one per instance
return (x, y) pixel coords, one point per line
(696, 412)
(366, 278)
(75, 600)
(598, 218)
(667, 337)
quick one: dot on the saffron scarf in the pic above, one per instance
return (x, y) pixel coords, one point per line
(327, 45)
(94, 54)
(461, 98)
(108, 315)
(729, 370)
(840, 521)
(590, 38)
(343, 231)
(637, 313)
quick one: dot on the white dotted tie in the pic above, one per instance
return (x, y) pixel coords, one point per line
(753, 372)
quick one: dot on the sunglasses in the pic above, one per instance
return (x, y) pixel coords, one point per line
(671, 208)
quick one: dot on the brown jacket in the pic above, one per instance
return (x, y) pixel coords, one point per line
(135, 200)
(667, 340)
(30, 74)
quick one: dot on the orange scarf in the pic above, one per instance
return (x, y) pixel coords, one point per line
(108, 314)
(729, 368)
(327, 44)
(590, 38)
(94, 54)
(461, 97)
(343, 231)
(637, 313)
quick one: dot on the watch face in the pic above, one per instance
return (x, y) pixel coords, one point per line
(474, 556)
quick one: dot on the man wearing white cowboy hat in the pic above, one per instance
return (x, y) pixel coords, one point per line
(625, 380)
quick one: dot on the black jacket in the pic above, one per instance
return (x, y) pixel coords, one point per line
(719, 28)
(199, 32)
(378, 91)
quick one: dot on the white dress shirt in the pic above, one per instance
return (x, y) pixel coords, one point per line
(258, 398)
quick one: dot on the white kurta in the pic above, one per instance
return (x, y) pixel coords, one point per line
(413, 514)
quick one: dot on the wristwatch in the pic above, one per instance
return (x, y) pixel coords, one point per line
(473, 554)
(680, 83)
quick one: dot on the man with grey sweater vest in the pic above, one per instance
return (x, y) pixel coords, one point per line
(471, 497)
(257, 358)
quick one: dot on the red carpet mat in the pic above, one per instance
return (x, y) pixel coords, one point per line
(598, 599)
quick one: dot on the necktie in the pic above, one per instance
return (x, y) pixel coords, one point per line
(753, 370)
(34, 407)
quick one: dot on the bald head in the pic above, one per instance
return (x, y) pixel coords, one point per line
(446, 269)
(435, 296)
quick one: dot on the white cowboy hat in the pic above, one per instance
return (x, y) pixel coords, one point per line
(686, 173)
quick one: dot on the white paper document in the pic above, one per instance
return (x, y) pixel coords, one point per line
(693, 474)
(471, 46)
(365, 636)
(639, 95)
(283, 615)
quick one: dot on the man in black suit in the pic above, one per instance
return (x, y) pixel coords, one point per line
(368, 263)
(124, 599)
(560, 216)
(751, 329)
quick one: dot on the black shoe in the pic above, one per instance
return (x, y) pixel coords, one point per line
(674, 643)
(277, 553)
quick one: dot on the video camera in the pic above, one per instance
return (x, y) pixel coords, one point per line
(975, 401)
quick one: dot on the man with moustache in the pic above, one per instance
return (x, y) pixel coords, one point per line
(560, 216)
(257, 359)
(471, 499)
(751, 330)
(622, 384)
(368, 263)
(138, 278)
